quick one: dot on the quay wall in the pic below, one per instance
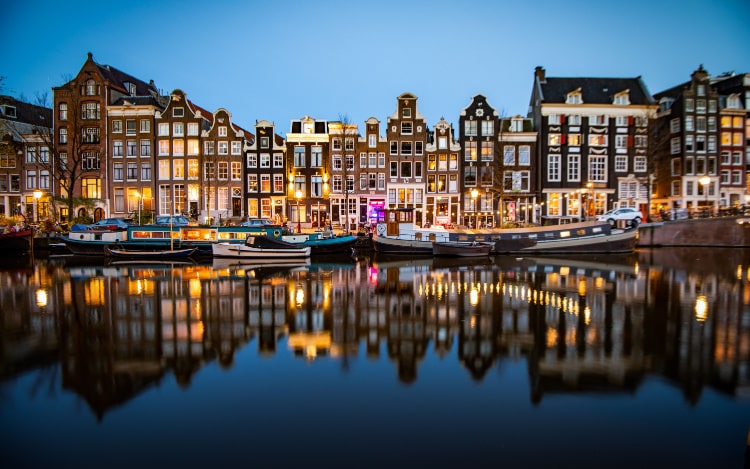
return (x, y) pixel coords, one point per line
(708, 232)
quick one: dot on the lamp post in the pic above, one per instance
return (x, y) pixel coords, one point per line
(298, 196)
(474, 195)
(705, 181)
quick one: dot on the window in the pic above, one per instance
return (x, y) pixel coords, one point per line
(574, 167)
(145, 171)
(488, 128)
(470, 176)
(222, 131)
(372, 140)
(252, 183)
(299, 157)
(192, 129)
(209, 147)
(265, 160)
(223, 148)
(178, 147)
(700, 106)
(90, 135)
(145, 126)
(442, 143)
(117, 148)
(63, 135)
(574, 98)
(192, 169)
(278, 183)
(63, 111)
(132, 171)
(574, 140)
(674, 145)
(178, 169)
(372, 159)
(554, 139)
(223, 170)
(689, 104)
(524, 155)
(405, 169)
(178, 112)
(91, 188)
(163, 130)
(597, 168)
(132, 148)
(621, 141)
(418, 148)
(553, 167)
(90, 111)
(597, 140)
(336, 144)
(689, 127)
(265, 183)
(406, 112)
(350, 162)
(90, 88)
(641, 141)
(130, 127)
(117, 172)
(470, 128)
(278, 160)
(639, 164)
(264, 142)
(621, 121)
(621, 163)
(554, 119)
(337, 184)
(394, 148)
(598, 119)
(470, 151)
(316, 156)
(405, 148)
(381, 160)
(164, 169)
(509, 155)
(145, 148)
(394, 169)
(316, 186)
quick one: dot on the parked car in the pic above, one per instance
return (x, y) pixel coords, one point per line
(176, 220)
(630, 214)
(110, 224)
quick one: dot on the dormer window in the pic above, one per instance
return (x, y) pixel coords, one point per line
(574, 97)
(516, 125)
(623, 98)
(178, 112)
(9, 111)
(130, 87)
(308, 127)
(406, 113)
(222, 131)
(733, 101)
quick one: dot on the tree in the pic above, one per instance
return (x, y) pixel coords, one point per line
(348, 133)
(69, 160)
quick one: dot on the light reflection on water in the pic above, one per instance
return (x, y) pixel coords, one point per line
(391, 360)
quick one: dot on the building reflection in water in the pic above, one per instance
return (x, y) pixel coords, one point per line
(598, 324)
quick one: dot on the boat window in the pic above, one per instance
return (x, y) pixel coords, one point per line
(597, 229)
(581, 232)
(432, 237)
(418, 236)
(565, 234)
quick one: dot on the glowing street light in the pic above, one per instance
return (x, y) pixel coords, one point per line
(705, 181)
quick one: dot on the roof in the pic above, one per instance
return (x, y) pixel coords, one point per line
(27, 113)
(595, 90)
(118, 78)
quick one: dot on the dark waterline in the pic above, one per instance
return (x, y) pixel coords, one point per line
(601, 361)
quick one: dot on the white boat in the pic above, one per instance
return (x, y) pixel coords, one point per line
(260, 247)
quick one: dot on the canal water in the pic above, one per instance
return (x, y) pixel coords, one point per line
(600, 361)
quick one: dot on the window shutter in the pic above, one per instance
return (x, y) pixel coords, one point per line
(562, 139)
(630, 140)
(562, 119)
(630, 121)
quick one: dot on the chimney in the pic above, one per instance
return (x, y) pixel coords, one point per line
(540, 74)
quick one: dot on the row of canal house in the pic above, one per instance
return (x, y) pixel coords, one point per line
(586, 146)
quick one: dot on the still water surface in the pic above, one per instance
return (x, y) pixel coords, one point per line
(627, 361)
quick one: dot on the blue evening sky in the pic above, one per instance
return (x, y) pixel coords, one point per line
(283, 59)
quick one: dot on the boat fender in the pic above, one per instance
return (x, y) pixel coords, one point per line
(276, 233)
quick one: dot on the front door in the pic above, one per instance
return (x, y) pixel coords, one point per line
(236, 207)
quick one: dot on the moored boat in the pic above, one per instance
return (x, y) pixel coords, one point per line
(16, 241)
(261, 247)
(149, 255)
(399, 235)
(462, 249)
(322, 242)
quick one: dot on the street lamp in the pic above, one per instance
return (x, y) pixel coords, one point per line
(298, 196)
(474, 195)
(705, 181)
